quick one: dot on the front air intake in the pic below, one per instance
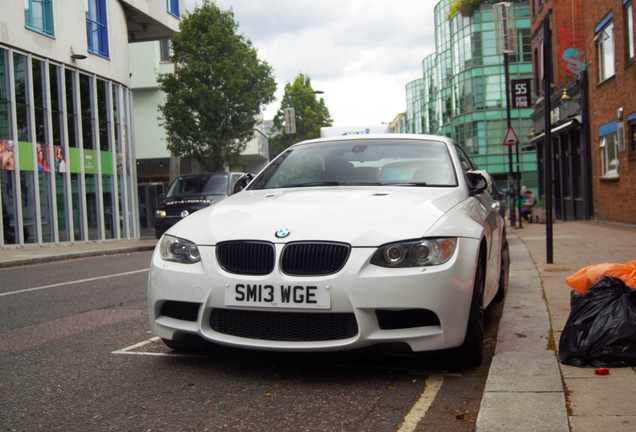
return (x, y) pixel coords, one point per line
(246, 257)
(314, 259)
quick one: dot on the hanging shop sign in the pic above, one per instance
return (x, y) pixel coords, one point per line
(521, 95)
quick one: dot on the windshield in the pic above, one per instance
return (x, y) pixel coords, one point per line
(204, 184)
(353, 163)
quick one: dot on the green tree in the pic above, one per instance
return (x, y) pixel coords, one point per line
(311, 113)
(219, 87)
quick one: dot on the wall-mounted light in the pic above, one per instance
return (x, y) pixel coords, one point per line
(77, 56)
(566, 100)
(619, 113)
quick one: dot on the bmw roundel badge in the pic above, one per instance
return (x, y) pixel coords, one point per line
(282, 233)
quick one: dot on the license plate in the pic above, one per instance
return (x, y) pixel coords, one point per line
(278, 295)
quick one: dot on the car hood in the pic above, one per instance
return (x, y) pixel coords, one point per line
(191, 203)
(360, 216)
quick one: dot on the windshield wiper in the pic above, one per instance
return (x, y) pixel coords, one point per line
(405, 184)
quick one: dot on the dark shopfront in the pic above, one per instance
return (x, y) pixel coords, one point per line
(571, 180)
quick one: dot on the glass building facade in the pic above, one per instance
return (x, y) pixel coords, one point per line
(66, 156)
(463, 90)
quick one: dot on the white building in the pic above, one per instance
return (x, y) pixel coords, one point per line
(67, 169)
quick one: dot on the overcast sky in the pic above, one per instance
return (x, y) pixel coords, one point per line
(361, 53)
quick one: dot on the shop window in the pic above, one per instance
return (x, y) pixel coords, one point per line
(629, 32)
(21, 96)
(71, 108)
(56, 104)
(5, 129)
(173, 7)
(86, 104)
(38, 16)
(605, 49)
(39, 99)
(609, 156)
(103, 112)
(96, 27)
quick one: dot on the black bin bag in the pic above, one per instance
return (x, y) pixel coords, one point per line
(601, 328)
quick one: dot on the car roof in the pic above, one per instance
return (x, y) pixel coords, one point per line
(391, 136)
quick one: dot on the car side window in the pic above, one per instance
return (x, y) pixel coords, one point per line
(467, 164)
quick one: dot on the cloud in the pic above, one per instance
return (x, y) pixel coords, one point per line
(360, 53)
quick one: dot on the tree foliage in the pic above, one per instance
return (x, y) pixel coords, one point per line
(311, 113)
(218, 88)
(466, 7)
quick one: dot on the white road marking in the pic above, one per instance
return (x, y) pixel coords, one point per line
(417, 413)
(71, 282)
(129, 350)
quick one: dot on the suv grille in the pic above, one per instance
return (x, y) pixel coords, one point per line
(313, 259)
(284, 326)
(248, 258)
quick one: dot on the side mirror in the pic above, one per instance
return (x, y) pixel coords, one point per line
(477, 181)
(242, 182)
(160, 197)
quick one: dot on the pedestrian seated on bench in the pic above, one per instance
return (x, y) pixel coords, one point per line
(526, 207)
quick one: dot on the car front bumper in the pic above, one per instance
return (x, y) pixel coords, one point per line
(186, 299)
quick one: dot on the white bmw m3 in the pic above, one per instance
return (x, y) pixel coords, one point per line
(339, 243)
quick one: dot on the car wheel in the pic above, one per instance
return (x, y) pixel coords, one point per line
(189, 343)
(472, 350)
(501, 290)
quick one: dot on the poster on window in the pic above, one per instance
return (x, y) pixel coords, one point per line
(44, 158)
(60, 159)
(7, 158)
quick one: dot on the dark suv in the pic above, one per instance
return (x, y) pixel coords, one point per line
(190, 193)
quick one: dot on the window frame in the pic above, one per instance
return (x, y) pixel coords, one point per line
(628, 14)
(96, 16)
(47, 28)
(604, 33)
(173, 7)
(631, 132)
(604, 145)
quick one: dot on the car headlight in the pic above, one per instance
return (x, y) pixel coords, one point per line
(178, 250)
(161, 213)
(416, 253)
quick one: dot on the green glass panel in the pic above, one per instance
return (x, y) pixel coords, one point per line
(107, 163)
(74, 160)
(90, 161)
(25, 151)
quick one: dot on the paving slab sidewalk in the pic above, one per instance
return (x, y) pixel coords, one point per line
(527, 388)
(34, 254)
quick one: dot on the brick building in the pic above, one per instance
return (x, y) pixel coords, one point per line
(560, 22)
(593, 111)
(609, 35)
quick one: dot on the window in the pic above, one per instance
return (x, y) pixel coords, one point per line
(631, 133)
(629, 32)
(173, 7)
(38, 16)
(96, 29)
(609, 156)
(605, 47)
(166, 50)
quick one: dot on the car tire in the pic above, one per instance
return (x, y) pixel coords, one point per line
(188, 344)
(471, 352)
(501, 290)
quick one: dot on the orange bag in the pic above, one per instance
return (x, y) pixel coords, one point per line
(583, 279)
